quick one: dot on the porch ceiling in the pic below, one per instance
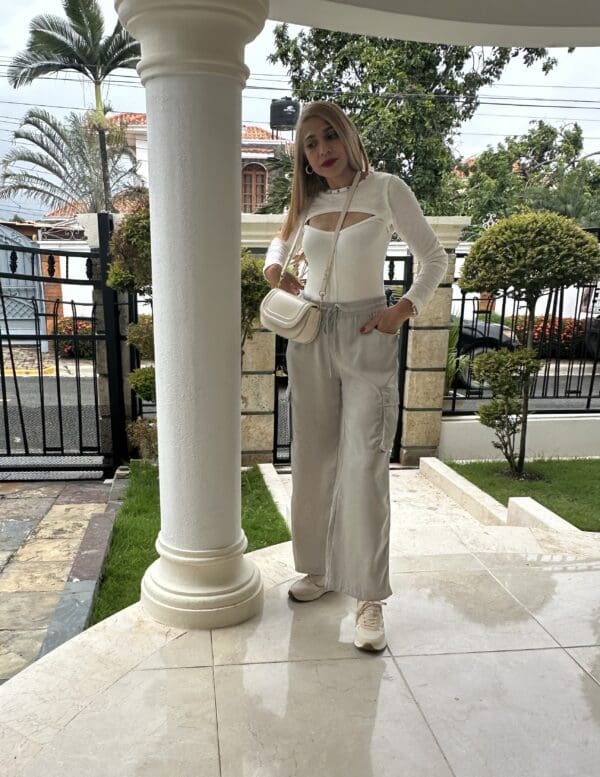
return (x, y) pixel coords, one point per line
(509, 23)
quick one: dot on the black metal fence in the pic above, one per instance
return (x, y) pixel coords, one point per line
(61, 379)
(566, 337)
(399, 278)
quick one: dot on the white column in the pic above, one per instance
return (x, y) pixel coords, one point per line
(192, 68)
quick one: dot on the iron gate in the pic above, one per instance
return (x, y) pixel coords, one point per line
(61, 382)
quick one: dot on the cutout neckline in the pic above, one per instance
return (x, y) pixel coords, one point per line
(343, 229)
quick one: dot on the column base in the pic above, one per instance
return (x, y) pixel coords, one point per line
(202, 589)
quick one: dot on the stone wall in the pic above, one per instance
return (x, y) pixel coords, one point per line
(258, 397)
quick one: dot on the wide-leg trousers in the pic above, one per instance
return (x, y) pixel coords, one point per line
(344, 412)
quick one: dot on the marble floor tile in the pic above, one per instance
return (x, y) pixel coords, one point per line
(190, 650)
(276, 564)
(4, 556)
(20, 748)
(546, 559)
(484, 538)
(457, 611)
(425, 540)
(18, 649)
(155, 723)
(35, 576)
(50, 692)
(586, 544)
(27, 610)
(48, 550)
(589, 659)
(436, 563)
(291, 631)
(565, 600)
(322, 719)
(531, 713)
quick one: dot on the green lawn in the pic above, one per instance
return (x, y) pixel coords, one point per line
(570, 488)
(137, 525)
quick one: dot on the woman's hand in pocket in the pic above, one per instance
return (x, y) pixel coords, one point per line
(389, 320)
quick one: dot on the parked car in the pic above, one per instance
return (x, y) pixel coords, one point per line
(477, 336)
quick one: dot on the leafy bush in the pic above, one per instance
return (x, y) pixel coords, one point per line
(130, 268)
(141, 336)
(143, 437)
(506, 373)
(454, 363)
(547, 337)
(531, 253)
(143, 382)
(75, 348)
(254, 288)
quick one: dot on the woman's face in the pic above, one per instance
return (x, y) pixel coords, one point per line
(325, 152)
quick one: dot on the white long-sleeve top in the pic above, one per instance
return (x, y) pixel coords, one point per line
(361, 249)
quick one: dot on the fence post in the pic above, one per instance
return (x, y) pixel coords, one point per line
(113, 347)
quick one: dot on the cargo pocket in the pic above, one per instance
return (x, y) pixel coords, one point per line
(389, 414)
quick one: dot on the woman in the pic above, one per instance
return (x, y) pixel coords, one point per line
(343, 385)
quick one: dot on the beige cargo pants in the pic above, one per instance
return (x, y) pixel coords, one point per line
(344, 411)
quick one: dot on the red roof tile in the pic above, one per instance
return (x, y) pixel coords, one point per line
(129, 119)
(250, 132)
(121, 203)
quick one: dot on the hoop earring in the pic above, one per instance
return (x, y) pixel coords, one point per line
(308, 170)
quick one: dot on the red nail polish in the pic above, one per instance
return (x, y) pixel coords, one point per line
(362, 330)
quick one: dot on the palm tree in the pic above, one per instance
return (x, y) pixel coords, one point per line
(281, 166)
(67, 164)
(77, 43)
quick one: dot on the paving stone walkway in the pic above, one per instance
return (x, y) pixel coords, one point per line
(53, 540)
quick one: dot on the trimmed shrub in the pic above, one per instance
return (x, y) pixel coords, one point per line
(143, 438)
(131, 267)
(254, 288)
(141, 336)
(143, 382)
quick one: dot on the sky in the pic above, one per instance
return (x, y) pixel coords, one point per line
(569, 93)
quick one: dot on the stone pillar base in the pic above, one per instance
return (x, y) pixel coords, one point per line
(202, 589)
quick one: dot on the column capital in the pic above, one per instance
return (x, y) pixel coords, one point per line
(448, 229)
(179, 37)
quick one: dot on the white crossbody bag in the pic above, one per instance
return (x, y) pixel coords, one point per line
(291, 316)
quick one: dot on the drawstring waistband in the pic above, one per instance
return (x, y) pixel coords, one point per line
(330, 312)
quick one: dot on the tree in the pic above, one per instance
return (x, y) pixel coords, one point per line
(540, 170)
(406, 98)
(527, 255)
(281, 167)
(573, 191)
(66, 163)
(77, 43)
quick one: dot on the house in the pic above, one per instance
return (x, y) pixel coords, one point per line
(258, 145)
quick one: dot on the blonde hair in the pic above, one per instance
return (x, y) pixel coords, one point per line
(305, 186)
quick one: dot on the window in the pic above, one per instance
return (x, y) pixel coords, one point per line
(254, 187)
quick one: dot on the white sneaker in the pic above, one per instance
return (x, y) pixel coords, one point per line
(369, 633)
(308, 588)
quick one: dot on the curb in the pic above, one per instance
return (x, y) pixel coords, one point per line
(475, 501)
(74, 608)
(522, 511)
